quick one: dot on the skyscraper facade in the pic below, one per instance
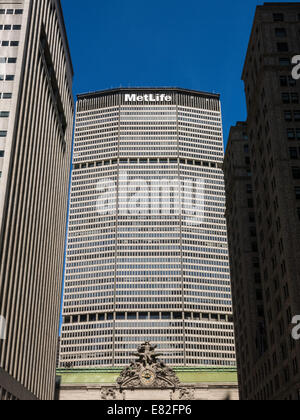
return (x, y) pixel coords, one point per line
(147, 254)
(36, 116)
(247, 295)
(262, 171)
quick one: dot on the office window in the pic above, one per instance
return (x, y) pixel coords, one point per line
(291, 134)
(297, 115)
(288, 116)
(288, 98)
(280, 32)
(296, 172)
(4, 114)
(11, 11)
(292, 82)
(1, 153)
(9, 43)
(3, 133)
(285, 98)
(295, 98)
(283, 81)
(9, 60)
(284, 61)
(293, 153)
(278, 17)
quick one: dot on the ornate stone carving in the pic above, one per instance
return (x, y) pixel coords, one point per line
(108, 394)
(148, 371)
(187, 394)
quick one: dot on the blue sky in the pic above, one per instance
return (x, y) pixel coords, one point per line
(192, 44)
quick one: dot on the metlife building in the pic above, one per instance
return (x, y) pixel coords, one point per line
(147, 254)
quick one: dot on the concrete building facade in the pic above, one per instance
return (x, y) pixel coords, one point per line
(262, 171)
(36, 119)
(152, 266)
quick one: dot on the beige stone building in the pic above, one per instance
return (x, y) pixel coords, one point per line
(101, 384)
(36, 116)
(262, 171)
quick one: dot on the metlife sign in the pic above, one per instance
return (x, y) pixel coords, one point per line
(151, 98)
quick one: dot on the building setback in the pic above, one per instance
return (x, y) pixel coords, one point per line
(36, 115)
(147, 269)
(262, 172)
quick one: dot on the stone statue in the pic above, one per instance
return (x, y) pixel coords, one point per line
(147, 354)
(148, 371)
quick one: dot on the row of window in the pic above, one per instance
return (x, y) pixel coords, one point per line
(146, 162)
(8, 60)
(292, 116)
(293, 133)
(290, 98)
(9, 43)
(5, 95)
(10, 27)
(147, 316)
(11, 11)
(294, 152)
(286, 81)
(7, 77)
(280, 17)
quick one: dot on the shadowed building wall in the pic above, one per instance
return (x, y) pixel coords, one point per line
(273, 164)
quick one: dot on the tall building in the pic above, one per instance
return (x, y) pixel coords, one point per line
(147, 253)
(247, 294)
(262, 171)
(36, 115)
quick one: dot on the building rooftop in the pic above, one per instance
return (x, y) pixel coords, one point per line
(146, 89)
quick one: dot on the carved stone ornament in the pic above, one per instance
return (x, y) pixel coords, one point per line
(148, 371)
(187, 394)
(108, 394)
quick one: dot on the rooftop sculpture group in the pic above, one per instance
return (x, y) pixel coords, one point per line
(148, 371)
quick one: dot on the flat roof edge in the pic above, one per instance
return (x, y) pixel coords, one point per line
(94, 94)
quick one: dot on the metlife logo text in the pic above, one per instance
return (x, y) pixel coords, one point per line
(151, 98)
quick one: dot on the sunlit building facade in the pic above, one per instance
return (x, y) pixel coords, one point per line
(36, 126)
(147, 254)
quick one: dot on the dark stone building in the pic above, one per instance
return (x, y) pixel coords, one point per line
(262, 171)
